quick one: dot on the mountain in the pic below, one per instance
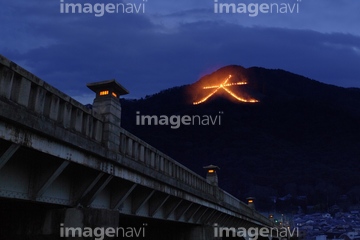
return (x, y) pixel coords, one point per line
(296, 137)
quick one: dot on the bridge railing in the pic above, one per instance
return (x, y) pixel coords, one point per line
(27, 90)
(243, 207)
(140, 151)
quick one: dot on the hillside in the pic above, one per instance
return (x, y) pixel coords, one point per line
(302, 138)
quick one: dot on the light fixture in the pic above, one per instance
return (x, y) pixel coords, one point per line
(103, 93)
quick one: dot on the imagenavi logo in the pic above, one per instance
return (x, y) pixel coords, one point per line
(101, 233)
(254, 9)
(253, 233)
(100, 9)
(175, 121)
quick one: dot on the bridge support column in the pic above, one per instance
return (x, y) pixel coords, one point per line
(66, 222)
(201, 233)
(24, 220)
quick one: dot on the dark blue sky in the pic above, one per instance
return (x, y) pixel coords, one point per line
(172, 43)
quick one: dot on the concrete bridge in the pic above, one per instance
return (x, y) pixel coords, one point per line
(65, 165)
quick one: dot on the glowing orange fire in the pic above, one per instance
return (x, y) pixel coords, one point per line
(223, 86)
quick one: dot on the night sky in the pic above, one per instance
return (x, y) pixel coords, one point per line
(171, 43)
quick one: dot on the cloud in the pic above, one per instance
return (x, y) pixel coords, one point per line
(321, 15)
(146, 56)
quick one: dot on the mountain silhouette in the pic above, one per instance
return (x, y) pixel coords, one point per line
(300, 139)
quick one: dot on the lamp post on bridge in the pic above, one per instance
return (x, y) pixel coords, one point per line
(107, 104)
(251, 202)
(211, 175)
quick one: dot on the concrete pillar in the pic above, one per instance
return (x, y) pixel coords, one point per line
(73, 223)
(6, 81)
(25, 220)
(251, 202)
(201, 233)
(24, 92)
(107, 104)
(211, 175)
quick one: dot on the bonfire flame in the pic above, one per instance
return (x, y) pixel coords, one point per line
(223, 86)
